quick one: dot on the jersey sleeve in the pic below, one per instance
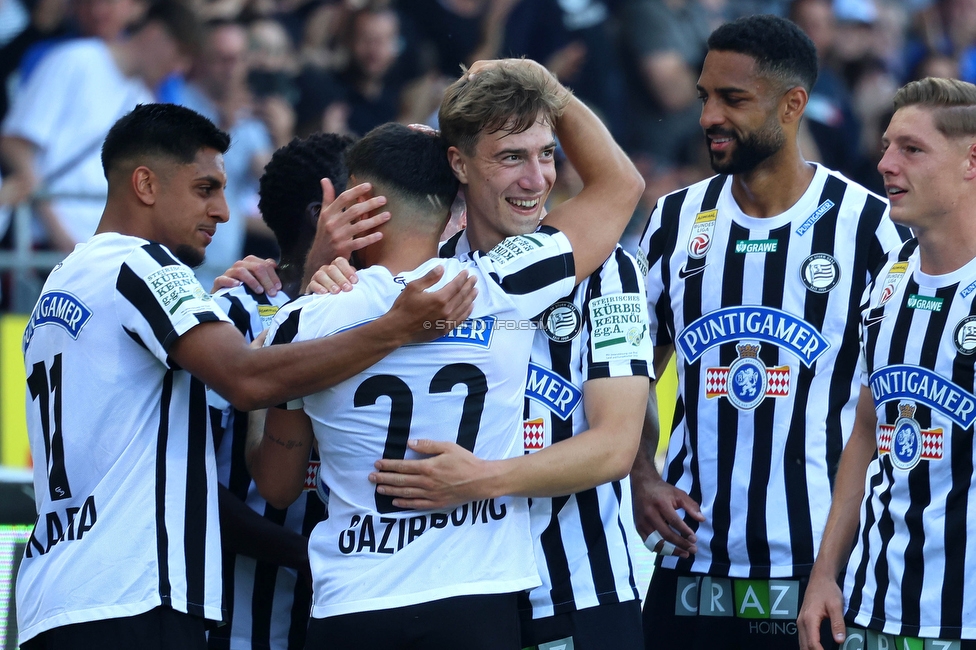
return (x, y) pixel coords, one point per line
(616, 322)
(158, 299)
(535, 270)
(650, 256)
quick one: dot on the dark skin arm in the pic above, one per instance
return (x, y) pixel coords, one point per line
(251, 378)
(656, 502)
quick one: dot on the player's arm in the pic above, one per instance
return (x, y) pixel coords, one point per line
(657, 502)
(245, 532)
(595, 218)
(19, 182)
(255, 378)
(823, 598)
(277, 457)
(614, 407)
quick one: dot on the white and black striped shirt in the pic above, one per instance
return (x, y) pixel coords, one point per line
(911, 572)
(125, 479)
(466, 386)
(267, 604)
(763, 316)
(580, 539)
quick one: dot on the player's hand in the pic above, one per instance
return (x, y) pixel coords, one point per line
(429, 315)
(333, 278)
(823, 599)
(446, 479)
(656, 506)
(344, 224)
(258, 274)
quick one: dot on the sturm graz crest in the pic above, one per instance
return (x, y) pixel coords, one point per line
(906, 439)
(747, 378)
(562, 321)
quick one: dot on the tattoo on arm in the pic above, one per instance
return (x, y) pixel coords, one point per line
(287, 444)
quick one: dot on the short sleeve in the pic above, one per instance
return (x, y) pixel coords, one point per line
(535, 270)
(650, 257)
(158, 299)
(615, 312)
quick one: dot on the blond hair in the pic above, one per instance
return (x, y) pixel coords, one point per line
(953, 103)
(502, 98)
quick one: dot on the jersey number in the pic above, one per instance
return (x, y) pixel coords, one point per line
(41, 391)
(401, 411)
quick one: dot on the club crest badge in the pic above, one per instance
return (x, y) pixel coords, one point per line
(562, 321)
(964, 336)
(895, 274)
(820, 273)
(700, 239)
(748, 381)
(906, 442)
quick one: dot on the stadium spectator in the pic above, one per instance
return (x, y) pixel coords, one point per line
(52, 135)
(217, 89)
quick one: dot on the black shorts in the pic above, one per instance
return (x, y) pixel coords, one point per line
(162, 628)
(697, 612)
(616, 626)
(472, 622)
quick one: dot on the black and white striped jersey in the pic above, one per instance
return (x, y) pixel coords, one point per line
(581, 539)
(267, 604)
(763, 316)
(124, 474)
(911, 572)
(466, 387)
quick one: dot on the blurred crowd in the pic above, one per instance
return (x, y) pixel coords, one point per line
(269, 70)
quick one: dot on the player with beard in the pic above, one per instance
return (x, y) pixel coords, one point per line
(754, 281)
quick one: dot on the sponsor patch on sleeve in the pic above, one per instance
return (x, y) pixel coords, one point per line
(619, 328)
(509, 250)
(178, 291)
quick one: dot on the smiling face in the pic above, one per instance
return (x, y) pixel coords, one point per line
(506, 181)
(189, 205)
(923, 169)
(739, 113)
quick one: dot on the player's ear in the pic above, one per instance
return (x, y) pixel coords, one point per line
(145, 184)
(458, 164)
(970, 171)
(793, 104)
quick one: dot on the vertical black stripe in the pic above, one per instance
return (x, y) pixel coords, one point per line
(665, 239)
(197, 497)
(885, 526)
(687, 404)
(561, 357)
(865, 264)
(557, 565)
(757, 535)
(162, 534)
(263, 594)
(618, 494)
(957, 540)
(727, 433)
(597, 548)
(795, 462)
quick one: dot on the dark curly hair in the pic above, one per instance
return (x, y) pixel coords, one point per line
(291, 191)
(781, 50)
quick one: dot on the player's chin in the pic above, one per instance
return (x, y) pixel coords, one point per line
(192, 256)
